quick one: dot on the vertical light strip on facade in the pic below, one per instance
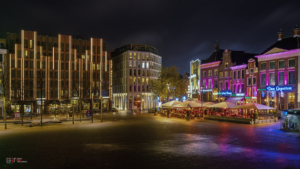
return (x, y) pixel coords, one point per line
(70, 55)
(53, 63)
(105, 60)
(22, 59)
(86, 60)
(10, 76)
(16, 52)
(58, 66)
(91, 64)
(101, 44)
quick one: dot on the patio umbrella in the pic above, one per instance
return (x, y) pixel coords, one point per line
(189, 99)
(253, 106)
(223, 105)
(188, 104)
(171, 103)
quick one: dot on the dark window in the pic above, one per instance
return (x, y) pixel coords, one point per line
(62, 57)
(292, 63)
(281, 78)
(281, 64)
(263, 79)
(263, 66)
(292, 77)
(62, 45)
(272, 65)
(25, 43)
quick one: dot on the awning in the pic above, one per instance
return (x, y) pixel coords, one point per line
(234, 100)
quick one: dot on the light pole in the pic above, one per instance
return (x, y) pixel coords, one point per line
(168, 92)
(201, 88)
(92, 107)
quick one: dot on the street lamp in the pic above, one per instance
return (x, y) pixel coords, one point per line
(168, 92)
(92, 107)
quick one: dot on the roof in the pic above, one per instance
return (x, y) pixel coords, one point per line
(287, 43)
(238, 57)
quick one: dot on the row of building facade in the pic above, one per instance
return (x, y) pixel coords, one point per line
(269, 78)
(53, 73)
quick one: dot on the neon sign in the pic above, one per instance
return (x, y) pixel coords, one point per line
(279, 88)
(240, 94)
(225, 92)
(206, 90)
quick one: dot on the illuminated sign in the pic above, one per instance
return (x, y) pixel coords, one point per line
(240, 94)
(215, 93)
(225, 92)
(206, 90)
(192, 76)
(254, 97)
(279, 88)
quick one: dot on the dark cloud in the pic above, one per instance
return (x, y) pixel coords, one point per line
(181, 30)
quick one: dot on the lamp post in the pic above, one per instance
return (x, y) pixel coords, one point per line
(201, 88)
(168, 92)
(92, 107)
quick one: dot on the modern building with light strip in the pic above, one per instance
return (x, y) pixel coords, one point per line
(55, 72)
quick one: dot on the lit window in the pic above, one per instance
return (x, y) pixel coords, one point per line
(226, 65)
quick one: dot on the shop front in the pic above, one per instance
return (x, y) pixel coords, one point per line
(280, 97)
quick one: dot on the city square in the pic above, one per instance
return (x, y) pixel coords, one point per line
(150, 84)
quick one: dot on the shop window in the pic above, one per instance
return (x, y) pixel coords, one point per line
(281, 64)
(291, 100)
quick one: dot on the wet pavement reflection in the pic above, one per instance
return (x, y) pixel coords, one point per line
(140, 139)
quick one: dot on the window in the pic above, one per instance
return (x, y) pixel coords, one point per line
(249, 81)
(226, 85)
(234, 75)
(233, 89)
(130, 55)
(243, 73)
(221, 84)
(18, 73)
(230, 73)
(204, 84)
(204, 73)
(238, 74)
(31, 55)
(226, 65)
(31, 44)
(292, 77)
(31, 64)
(62, 57)
(25, 43)
(216, 72)
(254, 81)
(272, 65)
(209, 84)
(226, 74)
(263, 79)
(215, 83)
(263, 66)
(281, 78)
(220, 74)
(281, 64)
(272, 79)
(56, 56)
(209, 73)
(26, 64)
(292, 63)
(13, 74)
(19, 63)
(130, 63)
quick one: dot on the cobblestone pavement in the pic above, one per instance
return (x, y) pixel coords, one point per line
(142, 140)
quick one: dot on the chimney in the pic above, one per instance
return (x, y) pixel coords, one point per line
(296, 31)
(217, 46)
(280, 34)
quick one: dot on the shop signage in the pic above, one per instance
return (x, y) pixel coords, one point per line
(88, 113)
(17, 115)
(225, 92)
(279, 88)
(206, 90)
(240, 94)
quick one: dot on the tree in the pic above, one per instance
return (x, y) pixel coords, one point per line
(168, 83)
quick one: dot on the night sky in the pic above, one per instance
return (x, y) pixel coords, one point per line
(181, 30)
